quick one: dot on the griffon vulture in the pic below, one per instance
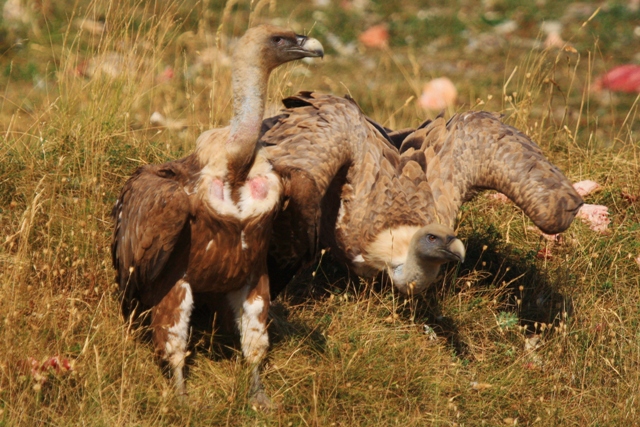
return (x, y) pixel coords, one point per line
(348, 187)
(199, 226)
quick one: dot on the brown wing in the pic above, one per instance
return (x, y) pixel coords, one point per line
(330, 155)
(151, 235)
(308, 149)
(476, 151)
(388, 191)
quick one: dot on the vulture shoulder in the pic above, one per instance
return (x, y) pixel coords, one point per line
(313, 134)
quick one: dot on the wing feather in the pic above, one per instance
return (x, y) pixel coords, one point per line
(307, 148)
(476, 151)
(313, 145)
(345, 181)
(150, 215)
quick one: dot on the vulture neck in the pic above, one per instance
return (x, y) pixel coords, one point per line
(415, 274)
(249, 86)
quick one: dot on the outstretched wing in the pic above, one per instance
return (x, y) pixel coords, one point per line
(344, 182)
(475, 151)
(151, 236)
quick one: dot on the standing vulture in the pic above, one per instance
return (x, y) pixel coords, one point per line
(379, 208)
(200, 226)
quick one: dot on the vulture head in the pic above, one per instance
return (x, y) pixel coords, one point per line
(430, 247)
(256, 54)
(267, 47)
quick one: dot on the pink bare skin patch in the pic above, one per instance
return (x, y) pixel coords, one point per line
(259, 187)
(216, 189)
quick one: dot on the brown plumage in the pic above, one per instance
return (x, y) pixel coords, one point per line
(347, 187)
(199, 227)
(475, 151)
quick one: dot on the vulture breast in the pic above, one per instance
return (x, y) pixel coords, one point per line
(230, 228)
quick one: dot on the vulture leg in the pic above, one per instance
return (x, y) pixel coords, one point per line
(170, 326)
(251, 307)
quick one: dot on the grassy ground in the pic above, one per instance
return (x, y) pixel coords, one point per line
(518, 340)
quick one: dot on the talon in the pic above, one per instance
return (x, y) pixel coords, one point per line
(259, 401)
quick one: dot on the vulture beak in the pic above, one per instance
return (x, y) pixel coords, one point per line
(309, 47)
(454, 251)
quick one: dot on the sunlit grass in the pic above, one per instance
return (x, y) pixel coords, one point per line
(517, 338)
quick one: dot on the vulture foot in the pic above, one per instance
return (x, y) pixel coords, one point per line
(181, 395)
(259, 401)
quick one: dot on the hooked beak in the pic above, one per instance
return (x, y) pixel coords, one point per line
(455, 251)
(309, 47)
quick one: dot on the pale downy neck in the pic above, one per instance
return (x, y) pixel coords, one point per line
(414, 275)
(249, 85)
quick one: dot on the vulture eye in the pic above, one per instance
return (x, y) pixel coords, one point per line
(278, 40)
(431, 238)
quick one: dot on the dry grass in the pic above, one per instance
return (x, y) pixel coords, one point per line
(344, 352)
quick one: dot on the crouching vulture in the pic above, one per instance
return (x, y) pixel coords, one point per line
(347, 186)
(199, 227)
